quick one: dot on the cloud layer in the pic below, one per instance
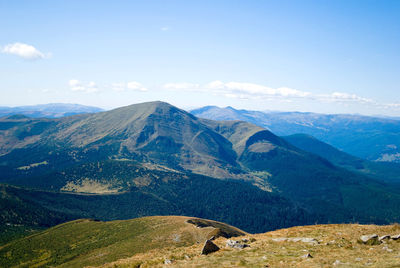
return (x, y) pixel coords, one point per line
(253, 91)
(24, 51)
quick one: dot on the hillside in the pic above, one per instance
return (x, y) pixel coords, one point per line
(157, 192)
(329, 246)
(87, 242)
(178, 241)
(174, 162)
(371, 138)
(308, 179)
(385, 171)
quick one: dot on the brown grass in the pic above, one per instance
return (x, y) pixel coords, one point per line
(337, 244)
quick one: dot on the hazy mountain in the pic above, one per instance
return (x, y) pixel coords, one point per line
(51, 110)
(176, 163)
(385, 171)
(371, 138)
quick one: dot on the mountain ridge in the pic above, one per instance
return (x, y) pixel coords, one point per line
(161, 150)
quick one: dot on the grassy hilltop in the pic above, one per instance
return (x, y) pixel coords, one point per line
(177, 241)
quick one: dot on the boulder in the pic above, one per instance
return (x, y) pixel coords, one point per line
(306, 256)
(235, 244)
(369, 239)
(384, 238)
(209, 247)
(395, 237)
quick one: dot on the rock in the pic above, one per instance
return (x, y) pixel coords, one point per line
(235, 244)
(387, 249)
(306, 256)
(279, 239)
(395, 237)
(309, 240)
(384, 238)
(167, 261)
(337, 262)
(209, 247)
(369, 239)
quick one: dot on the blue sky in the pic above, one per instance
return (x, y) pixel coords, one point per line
(319, 56)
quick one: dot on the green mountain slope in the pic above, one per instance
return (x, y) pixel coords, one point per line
(371, 138)
(385, 171)
(147, 192)
(155, 159)
(310, 180)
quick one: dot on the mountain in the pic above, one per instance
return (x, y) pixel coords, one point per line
(371, 138)
(51, 110)
(155, 159)
(385, 171)
(178, 241)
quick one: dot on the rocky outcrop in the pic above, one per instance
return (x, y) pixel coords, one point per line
(209, 247)
(369, 239)
(308, 240)
(236, 244)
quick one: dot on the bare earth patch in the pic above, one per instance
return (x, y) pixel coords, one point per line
(91, 186)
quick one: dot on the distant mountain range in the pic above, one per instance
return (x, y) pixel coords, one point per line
(51, 110)
(155, 159)
(371, 138)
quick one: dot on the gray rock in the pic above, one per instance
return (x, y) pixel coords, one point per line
(279, 239)
(395, 237)
(387, 249)
(209, 247)
(167, 261)
(337, 262)
(309, 240)
(235, 244)
(384, 238)
(306, 256)
(369, 239)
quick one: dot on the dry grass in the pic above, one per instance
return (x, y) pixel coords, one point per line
(338, 247)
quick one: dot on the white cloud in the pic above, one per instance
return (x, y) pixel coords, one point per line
(24, 51)
(344, 97)
(78, 86)
(239, 90)
(133, 86)
(165, 28)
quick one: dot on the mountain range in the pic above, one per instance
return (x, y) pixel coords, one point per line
(51, 110)
(370, 138)
(156, 159)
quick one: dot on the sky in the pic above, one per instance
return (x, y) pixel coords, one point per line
(312, 56)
